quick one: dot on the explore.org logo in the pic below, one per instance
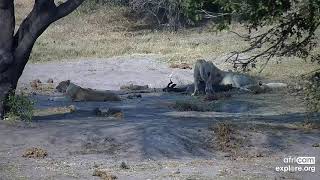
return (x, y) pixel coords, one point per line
(298, 164)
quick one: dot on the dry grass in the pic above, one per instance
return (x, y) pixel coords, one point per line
(217, 96)
(35, 153)
(55, 111)
(104, 175)
(224, 133)
(309, 125)
(229, 139)
(193, 105)
(110, 32)
(181, 66)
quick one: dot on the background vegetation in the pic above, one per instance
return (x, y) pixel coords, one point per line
(185, 30)
(114, 30)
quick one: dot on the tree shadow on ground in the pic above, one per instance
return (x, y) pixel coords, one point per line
(152, 129)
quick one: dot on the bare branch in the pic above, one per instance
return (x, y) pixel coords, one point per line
(245, 37)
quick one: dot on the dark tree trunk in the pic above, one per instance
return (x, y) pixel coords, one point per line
(7, 24)
(15, 49)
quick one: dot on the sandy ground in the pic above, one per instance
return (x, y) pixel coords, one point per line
(110, 73)
(153, 139)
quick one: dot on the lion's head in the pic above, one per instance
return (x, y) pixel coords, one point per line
(62, 86)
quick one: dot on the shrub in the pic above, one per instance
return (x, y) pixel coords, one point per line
(193, 105)
(107, 2)
(91, 5)
(224, 132)
(312, 96)
(186, 106)
(20, 107)
(170, 13)
(312, 92)
(173, 14)
(228, 138)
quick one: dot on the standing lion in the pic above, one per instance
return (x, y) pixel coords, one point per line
(205, 72)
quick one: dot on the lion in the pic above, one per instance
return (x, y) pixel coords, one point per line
(205, 72)
(77, 93)
(209, 79)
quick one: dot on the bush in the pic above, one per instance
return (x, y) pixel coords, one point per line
(90, 5)
(107, 2)
(193, 105)
(224, 133)
(170, 13)
(20, 108)
(173, 14)
(187, 106)
(312, 92)
(312, 96)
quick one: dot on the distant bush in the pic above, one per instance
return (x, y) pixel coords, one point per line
(109, 2)
(91, 5)
(312, 93)
(172, 14)
(20, 108)
(168, 13)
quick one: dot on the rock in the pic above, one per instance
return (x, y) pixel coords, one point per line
(276, 85)
(108, 112)
(124, 166)
(72, 108)
(259, 155)
(176, 172)
(50, 80)
(316, 145)
(95, 165)
(35, 84)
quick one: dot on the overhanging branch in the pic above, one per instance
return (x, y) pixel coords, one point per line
(44, 13)
(67, 7)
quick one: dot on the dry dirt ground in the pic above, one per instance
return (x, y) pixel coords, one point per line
(154, 140)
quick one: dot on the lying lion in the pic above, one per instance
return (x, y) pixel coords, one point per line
(208, 77)
(77, 93)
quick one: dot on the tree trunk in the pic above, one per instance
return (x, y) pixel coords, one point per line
(15, 49)
(7, 24)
